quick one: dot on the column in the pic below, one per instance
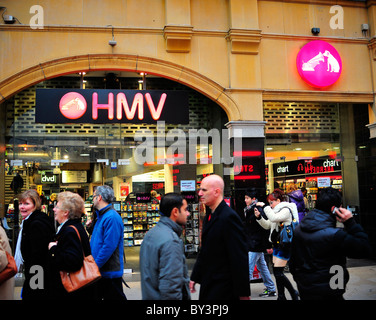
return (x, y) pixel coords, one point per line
(371, 8)
(249, 160)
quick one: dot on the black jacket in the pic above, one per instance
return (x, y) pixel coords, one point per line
(67, 255)
(257, 236)
(37, 232)
(318, 246)
(222, 264)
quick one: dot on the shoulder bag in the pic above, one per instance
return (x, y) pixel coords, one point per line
(88, 274)
(10, 270)
(286, 234)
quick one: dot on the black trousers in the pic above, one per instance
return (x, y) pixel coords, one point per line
(111, 289)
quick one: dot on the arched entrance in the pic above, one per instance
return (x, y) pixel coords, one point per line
(135, 63)
(42, 148)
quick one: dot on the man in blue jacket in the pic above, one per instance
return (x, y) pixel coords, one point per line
(107, 244)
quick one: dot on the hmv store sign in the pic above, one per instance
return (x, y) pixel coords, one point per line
(111, 106)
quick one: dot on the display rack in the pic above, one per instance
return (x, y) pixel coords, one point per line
(138, 219)
(191, 230)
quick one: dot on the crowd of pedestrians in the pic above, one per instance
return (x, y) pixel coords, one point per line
(231, 246)
(43, 252)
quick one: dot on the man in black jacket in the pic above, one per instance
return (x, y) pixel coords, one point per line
(258, 242)
(319, 248)
(222, 265)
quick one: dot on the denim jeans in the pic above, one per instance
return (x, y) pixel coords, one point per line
(258, 259)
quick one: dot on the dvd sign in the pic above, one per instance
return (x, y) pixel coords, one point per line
(48, 178)
(111, 106)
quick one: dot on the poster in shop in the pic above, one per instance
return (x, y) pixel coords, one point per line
(100, 106)
(68, 176)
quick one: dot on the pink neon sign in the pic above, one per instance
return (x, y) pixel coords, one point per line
(72, 105)
(319, 64)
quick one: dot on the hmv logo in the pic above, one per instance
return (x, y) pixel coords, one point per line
(111, 106)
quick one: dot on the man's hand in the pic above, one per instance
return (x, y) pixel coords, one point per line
(192, 286)
(343, 215)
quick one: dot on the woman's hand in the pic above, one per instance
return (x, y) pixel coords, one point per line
(51, 244)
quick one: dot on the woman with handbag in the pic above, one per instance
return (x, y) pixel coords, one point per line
(280, 214)
(7, 287)
(69, 248)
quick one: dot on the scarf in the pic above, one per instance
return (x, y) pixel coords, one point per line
(18, 255)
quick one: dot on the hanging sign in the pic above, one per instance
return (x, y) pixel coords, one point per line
(111, 106)
(319, 64)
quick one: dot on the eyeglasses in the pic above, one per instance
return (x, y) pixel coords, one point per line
(97, 195)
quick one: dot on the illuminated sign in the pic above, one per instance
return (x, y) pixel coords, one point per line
(291, 168)
(68, 176)
(319, 64)
(143, 197)
(250, 165)
(111, 106)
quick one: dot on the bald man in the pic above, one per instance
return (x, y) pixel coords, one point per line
(221, 268)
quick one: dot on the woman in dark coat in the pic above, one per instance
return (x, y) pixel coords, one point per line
(67, 252)
(36, 232)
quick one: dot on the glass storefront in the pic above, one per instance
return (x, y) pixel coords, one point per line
(304, 145)
(56, 157)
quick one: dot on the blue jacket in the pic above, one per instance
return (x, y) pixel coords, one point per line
(107, 243)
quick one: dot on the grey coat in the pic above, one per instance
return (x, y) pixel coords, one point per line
(164, 273)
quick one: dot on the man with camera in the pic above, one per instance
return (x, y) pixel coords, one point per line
(320, 248)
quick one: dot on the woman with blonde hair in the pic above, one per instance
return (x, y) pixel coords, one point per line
(36, 232)
(68, 250)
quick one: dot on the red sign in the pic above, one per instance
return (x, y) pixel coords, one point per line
(319, 64)
(249, 168)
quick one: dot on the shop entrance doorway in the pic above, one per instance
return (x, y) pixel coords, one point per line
(78, 157)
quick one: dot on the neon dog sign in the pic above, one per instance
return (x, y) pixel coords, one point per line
(319, 64)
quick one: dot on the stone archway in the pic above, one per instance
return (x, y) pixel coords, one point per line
(91, 62)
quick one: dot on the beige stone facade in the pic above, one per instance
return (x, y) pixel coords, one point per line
(237, 52)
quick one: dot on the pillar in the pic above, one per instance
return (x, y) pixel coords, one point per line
(249, 159)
